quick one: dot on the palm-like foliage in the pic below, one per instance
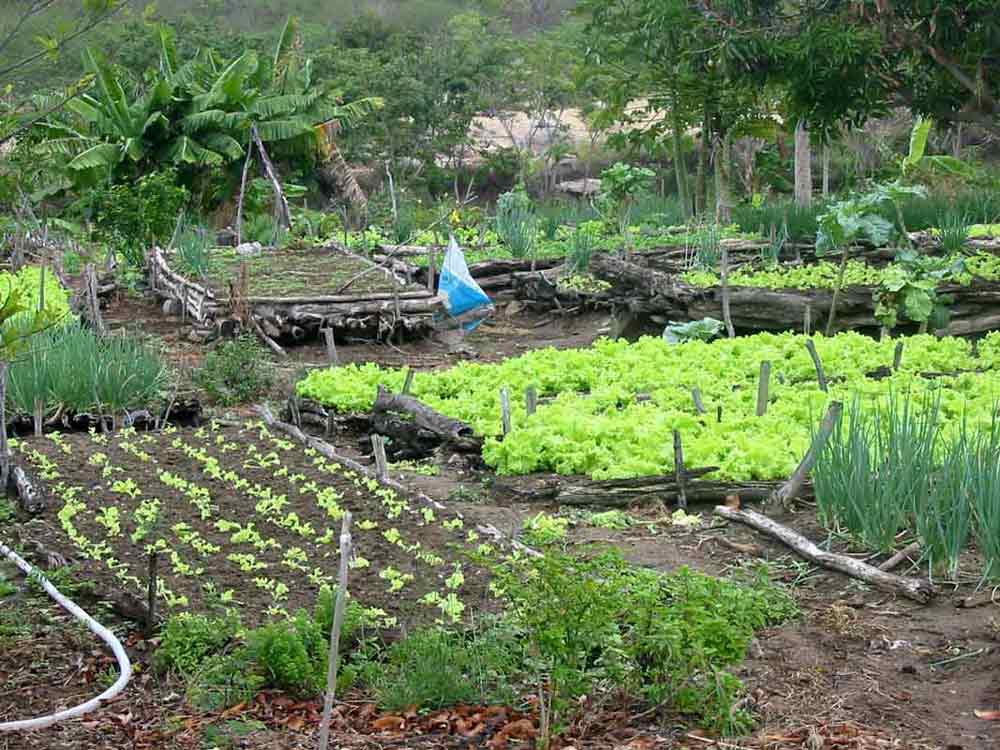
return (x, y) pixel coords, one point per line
(197, 113)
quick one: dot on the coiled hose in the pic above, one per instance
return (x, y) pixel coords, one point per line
(124, 665)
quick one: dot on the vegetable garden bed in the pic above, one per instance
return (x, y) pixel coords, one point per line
(243, 517)
(291, 293)
(608, 412)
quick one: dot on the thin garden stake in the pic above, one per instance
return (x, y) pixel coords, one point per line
(331, 347)
(807, 321)
(818, 364)
(338, 624)
(530, 399)
(791, 488)
(679, 470)
(431, 270)
(699, 405)
(381, 465)
(897, 359)
(763, 385)
(724, 280)
(408, 382)
(151, 594)
(505, 410)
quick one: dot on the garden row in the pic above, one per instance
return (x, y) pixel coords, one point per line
(609, 411)
(245, 525)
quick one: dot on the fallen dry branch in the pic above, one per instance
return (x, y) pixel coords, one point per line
(916, 589)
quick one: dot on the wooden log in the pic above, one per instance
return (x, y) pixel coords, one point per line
(342, 299)
(893, 562)
(29, 495)
(416, 429)
(913, 588)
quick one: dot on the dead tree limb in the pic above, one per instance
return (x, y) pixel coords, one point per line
(916, 589)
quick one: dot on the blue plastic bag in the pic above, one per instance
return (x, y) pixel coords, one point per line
(462, 293)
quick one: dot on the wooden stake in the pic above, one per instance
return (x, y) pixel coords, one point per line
(243, 187)
(724, 280)
(818, 364)
(718, 414)
(791, 488)
(699, 405)
(93, 303)
(151, 594)
(338, 624)
(807, 321)
(763, 386)
(381, 464)
(505, 410)
(331, 347)
(279, 196)
(38, 416)
(330, 425)
(408, 382)
(897, 357)
(531, 399)
(679, 470)
(431, 271)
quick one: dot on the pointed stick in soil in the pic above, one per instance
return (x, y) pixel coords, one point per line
(807, 321)
(897, 357)
(818, 364)
(408, 382)
(151, 594)
(338, 624)
(724, 280)
(791, 488)
(505, 410)
(699, 405)
(271, 343)
(331, 347)
(679, 470)
(381, 465)
(763, 386)
(912, 588)
(531, 399)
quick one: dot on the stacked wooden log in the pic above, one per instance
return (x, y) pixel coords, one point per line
(642, 290)
(293, 318)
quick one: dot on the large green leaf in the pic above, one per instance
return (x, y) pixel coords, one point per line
(185, 150)
(283, 130)
(288, 104)
(216, 119)
(224, 144)
(101, 155)
(918, 142)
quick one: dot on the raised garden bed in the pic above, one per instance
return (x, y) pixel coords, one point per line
(291, 293)
(246, 517)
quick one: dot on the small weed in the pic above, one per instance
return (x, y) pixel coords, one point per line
(7, 510)
(236, 372)
(953, 232)
(190, 639)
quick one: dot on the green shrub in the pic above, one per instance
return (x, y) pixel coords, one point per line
(432, 668)
(72, 368)
(131, 217)
(235, 372)
(798, 223)
(666, 638)
(291, 654)
(188, 640)
(223, 680)
(517, 223)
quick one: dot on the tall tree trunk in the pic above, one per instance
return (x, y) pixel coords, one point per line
(5, 457)
(701, 179)
(826, 171)
(803, 165)
(680, 168)
(723, 198)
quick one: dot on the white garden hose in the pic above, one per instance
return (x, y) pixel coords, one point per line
(124, 665)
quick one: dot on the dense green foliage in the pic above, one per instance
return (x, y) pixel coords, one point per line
(595, 425)
(891, 468)
(235, 372)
